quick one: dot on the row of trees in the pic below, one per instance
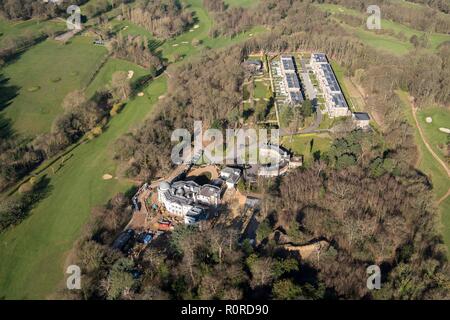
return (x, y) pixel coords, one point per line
(27, 9)
(163, 18)
(98, 7)
(417, 70)
(373, 209)
(228, 21)
(136, 50)
(15, 209)
(81, 116)
(16, 155)
(106, 272)
(441, 5)
(12, 45)
(424, 18)
(209, 90)
(187, 264)
(363, 197)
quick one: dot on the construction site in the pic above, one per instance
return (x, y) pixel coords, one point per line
(154, 215)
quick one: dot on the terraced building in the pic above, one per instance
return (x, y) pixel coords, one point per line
(335, 103)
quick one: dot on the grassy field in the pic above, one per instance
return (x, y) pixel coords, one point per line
(34, 27)
(182, 45)
(432, 169)
(385, 41)
(382, 42)
(113, 65)
(307, 145)
(128, 28)
(262, 90)
(43, 76)
(436, 138)
(32, 254)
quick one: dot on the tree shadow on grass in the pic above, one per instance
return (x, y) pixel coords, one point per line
(7, 92)
(6, 130)
(41, 190)
(18, 207)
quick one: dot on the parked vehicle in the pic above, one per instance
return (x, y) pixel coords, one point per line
(145, 238)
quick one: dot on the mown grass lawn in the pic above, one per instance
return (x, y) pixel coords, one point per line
(384, 41)
(104, 76)
(307, 144)
(32, 26)
(182, 45)
(43, 76)
(436, 138)
(435, 172)
(127, 27)
(262, 90)
(32, 254)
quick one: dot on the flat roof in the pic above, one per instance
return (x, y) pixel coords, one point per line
(320, 57)
(361, 116)
(339, 101)
(330, 77)
(292, 81)
(288, 63)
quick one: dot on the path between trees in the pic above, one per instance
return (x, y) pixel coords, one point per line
(435, 156)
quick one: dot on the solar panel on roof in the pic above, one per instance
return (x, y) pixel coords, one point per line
(292, 81)
(339, 100)
(288, 64)
(330, 78)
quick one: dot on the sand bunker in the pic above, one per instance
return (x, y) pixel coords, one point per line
(196, 26)
(428, 119)
(140, 94)
(445, 130)
(175, 45)
(130, 74)
(107, 177)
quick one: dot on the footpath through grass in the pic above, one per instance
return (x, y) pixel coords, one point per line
(104, 77)
(32, 253)
(385, 41)
(435, 172)
(440, 119)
